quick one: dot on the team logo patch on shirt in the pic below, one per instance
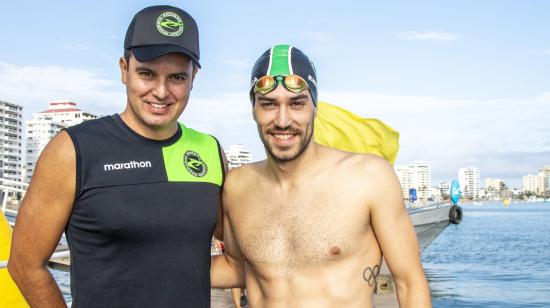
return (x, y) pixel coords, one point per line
(194, 164)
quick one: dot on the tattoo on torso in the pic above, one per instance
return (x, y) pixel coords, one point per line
(370, 275)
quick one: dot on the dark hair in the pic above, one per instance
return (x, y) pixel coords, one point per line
(128, 53)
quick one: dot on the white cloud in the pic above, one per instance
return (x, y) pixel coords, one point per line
(427, 36)
(34, 86)
(227, 117)
(317, 36)
(240, 63)
(544, 98)
(503, 137)
(452, 133)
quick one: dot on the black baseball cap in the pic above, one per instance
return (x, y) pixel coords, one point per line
(162, 29)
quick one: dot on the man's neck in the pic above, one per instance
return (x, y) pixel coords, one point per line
(160, 133)
(292, 172)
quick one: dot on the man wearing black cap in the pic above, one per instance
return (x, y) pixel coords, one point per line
(137, 193)
(308, 226)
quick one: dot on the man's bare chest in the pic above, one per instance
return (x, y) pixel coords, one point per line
(286, 230)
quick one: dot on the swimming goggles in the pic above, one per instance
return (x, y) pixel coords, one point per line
(293, 83)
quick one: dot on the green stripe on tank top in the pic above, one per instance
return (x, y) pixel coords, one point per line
(193, 158)
(279, 61)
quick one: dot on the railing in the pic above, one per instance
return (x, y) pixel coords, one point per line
(8, 186)
(428, 206)
(55, 255)
(16, 186)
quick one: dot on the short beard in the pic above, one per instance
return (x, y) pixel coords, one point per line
(302, 146)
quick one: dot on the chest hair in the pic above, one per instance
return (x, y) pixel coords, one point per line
(305, 229)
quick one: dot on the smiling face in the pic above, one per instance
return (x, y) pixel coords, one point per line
(158, 92)
(285, 122)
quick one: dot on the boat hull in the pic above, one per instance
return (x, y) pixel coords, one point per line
(429, 222)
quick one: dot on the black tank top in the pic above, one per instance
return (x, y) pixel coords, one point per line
(143, 216)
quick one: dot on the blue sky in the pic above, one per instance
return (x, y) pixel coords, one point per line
(466, 83)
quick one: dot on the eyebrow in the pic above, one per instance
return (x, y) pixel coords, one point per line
(261, 97)
(269, 99)
(298, 97)
(184, 74)
(145, 68)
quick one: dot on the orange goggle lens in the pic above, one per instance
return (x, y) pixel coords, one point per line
(293, 83)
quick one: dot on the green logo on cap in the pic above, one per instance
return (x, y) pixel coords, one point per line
(170, 24)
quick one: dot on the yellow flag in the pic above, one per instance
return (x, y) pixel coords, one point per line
(9, 293)
(338, 128)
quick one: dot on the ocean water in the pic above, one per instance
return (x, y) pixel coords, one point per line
(497, 257)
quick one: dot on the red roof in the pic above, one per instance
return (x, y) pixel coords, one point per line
(62, 103)
(61, 110)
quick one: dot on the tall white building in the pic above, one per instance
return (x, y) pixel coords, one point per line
(494, 184)
(494, 188)
(10, 141)
(405, 178)
(445, 189)
(435, 193)
(546, 171)
(469, 182)
(44, 125)
(40, 130)
(237, 156)
(537, 184)
(416, 175)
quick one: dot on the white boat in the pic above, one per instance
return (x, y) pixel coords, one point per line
(431, 220)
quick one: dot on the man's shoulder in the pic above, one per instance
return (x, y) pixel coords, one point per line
(357, 161)
(198, 136)
(369, 174)
(238, 183)
(357, 169)
(243, 177)
(245, 171)
(194, 131)
(91, 125)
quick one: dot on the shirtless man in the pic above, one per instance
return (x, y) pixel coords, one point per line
(309, 225)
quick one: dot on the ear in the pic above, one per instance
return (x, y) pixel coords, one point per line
(254, 113)
(195, 70)
(123, 69)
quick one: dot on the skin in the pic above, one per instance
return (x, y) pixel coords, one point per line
(158, 92)
(319, 219)
(46, 208)
(236, 297)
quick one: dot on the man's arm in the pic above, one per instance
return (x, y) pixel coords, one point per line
(397, 237)
(41, 220)
(218, 231)
(227, 270)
